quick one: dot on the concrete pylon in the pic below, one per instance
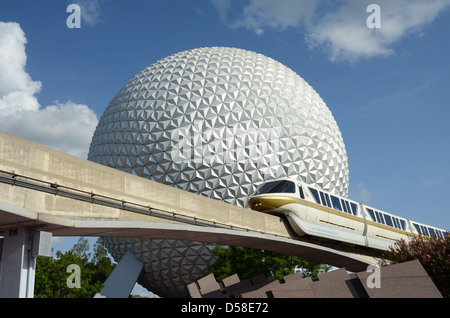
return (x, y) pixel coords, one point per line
(21, 247)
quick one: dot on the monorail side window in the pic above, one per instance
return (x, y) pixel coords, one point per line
(388, 220)
(348, 208)
(344, 206)
(432, 232)
(379, 217)
(283, 186)
(372, 214)
(315, 194)
(396, 223)
(328, 200)
(336, 203)
(301, 193)
(421, 229)
(354, 208)
(322, 196)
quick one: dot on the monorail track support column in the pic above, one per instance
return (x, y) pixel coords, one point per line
(20, 248)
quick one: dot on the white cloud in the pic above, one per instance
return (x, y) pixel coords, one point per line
(65, 126)
(17, 89)
(222, 7)
(340, 28)
(280, 14)
(90, 11)
(346, 36)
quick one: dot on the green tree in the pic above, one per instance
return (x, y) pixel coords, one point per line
(101, 262)
(81, 249)
(247, 262)
(433, 254)
(51, 273)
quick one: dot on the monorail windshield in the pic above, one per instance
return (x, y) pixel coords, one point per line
(283, 186)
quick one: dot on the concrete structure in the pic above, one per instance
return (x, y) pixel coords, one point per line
(404, 280)
(46, 190)
(20, 248)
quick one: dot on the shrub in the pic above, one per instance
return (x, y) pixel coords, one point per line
(433, 253)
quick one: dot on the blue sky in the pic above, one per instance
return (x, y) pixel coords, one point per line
(388, 87)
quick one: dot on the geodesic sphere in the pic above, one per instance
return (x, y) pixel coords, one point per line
(217, 121)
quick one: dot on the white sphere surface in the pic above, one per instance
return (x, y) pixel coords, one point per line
(216, 121)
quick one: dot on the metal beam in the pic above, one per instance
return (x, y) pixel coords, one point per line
(121, 281)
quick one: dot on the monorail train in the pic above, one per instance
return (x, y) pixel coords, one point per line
(317, 213)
